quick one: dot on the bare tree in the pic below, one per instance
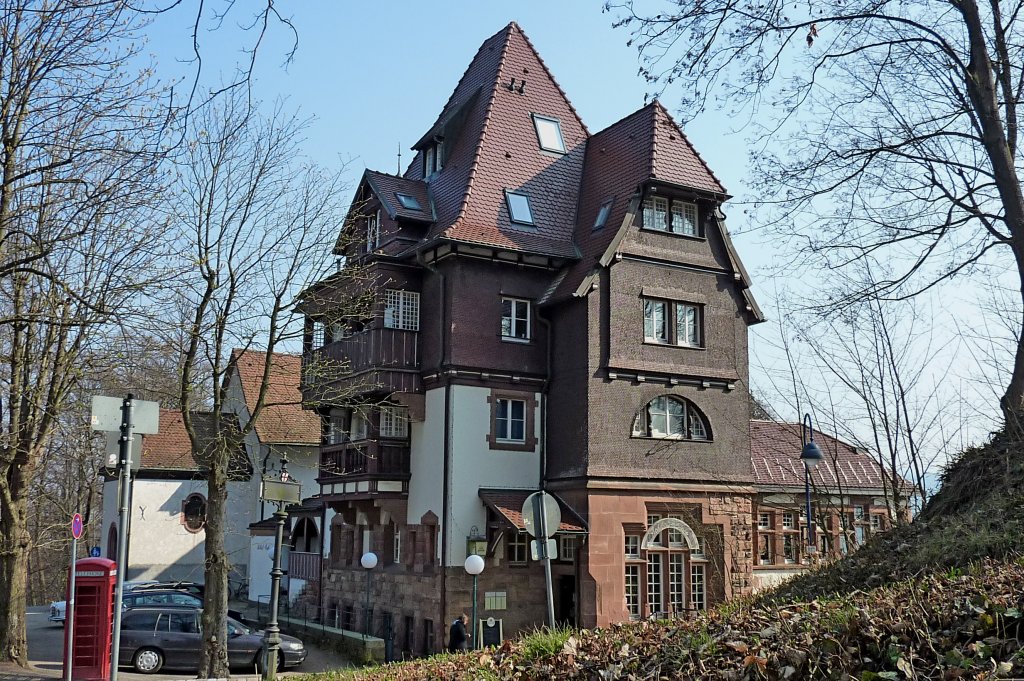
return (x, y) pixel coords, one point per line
(256, 225)
(896, 125)
(78, 169)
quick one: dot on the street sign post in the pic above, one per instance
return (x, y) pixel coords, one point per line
(542, 517)
(77, 527)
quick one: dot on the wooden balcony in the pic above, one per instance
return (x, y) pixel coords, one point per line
(380, 361)
(364, 469)
(303, 565)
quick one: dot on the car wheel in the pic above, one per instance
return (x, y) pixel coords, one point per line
(148, 661)
(258, 662)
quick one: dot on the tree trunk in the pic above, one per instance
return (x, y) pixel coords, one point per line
(214, 660)
(14, 548)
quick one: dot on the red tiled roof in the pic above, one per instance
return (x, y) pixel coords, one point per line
(508, 503)
(169, 449)
(674, 159)
(497, 149)
(387, 187)
(283, 420)
(775, 456)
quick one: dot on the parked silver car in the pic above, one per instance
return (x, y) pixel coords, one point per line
(171, 636)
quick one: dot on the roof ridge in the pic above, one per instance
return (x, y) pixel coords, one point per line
(551, 76)
(653, 158)
(686, 140)
(483, 130)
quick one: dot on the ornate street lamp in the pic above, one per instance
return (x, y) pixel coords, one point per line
(282, 491)
(368, 561)
(811, 457)
(474, 566)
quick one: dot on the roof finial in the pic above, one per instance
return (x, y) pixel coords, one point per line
(399, 159)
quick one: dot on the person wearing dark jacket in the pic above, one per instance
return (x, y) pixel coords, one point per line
(458, 641)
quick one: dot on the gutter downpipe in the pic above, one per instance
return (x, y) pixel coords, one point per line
(443, 533)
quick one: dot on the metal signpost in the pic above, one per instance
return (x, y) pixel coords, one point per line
(282, 492)
(69, 615)
(128, 417)
(542, 517)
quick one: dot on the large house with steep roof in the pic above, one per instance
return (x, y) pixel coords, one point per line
(554, 309)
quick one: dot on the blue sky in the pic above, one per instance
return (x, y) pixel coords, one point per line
(374, 76)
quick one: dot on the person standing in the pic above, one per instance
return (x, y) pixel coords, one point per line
(458, 641)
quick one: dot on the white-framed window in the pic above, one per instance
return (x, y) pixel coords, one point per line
(567, 548)
(397, 545)
(675, 537)
(602, 214)
(788, 521)
(394, 422)
(519, 208)
(764, 521)
(876, 523)
(789, 548)
(654, 594)
(651, 519)
(676, 583)
(495, 600)
(670, 418)
(510, 420)
(632, 546)
(672, 323)
(318, 334)
(515, 319)
(674, 217)
(699, 551)
(336, 431)
(697, 601)
(633, 591)
(401, 309)
(360, 427)
(433, 159)
(372, 231)
(408, 201)
(518, 547)
(549, 133)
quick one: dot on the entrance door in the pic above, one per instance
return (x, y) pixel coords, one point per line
(565, 600)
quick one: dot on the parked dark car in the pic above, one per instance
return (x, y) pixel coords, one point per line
(191, 587)
(155, 637)
(154, 597)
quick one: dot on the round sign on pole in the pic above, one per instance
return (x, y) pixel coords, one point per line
(548, 506)
(76, 526)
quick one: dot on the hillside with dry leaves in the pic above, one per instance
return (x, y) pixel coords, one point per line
(940, 599)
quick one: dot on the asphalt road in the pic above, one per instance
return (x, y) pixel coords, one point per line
(46, 653)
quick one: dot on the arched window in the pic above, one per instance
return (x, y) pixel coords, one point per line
(193, 513)
(671, 418)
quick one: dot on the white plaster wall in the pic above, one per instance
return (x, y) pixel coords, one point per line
(474, 465)
(261, 560)
(426, 460)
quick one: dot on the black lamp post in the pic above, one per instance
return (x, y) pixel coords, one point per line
(280, 492)
(811, 456)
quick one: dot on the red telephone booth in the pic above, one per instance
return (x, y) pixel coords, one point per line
(95, 585)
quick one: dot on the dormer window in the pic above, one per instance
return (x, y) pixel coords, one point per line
(519, 207)
(408, 202)
(675, 217)
(549, 133)
(433, 158)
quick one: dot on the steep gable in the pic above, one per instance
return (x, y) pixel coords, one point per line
(497, 149)
(283, 420)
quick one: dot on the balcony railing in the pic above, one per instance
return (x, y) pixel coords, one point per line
(368, 459)
(384, 359)
(302, 565)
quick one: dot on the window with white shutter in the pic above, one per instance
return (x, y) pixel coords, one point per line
(401, 310)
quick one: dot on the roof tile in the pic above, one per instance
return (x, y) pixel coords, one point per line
(283, 420)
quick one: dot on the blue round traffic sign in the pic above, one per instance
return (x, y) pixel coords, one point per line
(94, 552)
(76, 526)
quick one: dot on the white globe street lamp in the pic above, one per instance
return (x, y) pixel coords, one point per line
(368, 561)
(474, 566)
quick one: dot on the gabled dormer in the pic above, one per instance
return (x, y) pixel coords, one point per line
(388, 216)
